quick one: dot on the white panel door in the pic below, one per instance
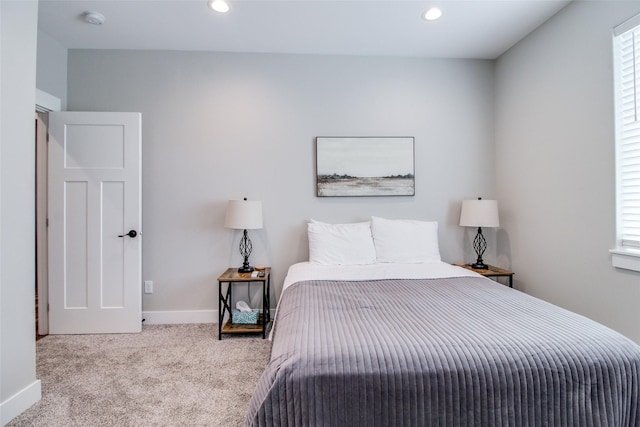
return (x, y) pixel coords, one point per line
(95, 244)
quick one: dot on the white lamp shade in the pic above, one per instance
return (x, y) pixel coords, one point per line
(479, 213)
(244, 214)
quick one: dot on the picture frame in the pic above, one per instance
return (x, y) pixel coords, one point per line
(365, 166)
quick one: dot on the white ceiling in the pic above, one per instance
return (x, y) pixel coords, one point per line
(468, 29)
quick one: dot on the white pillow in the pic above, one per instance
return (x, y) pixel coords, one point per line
(340, 244)
(405, 241)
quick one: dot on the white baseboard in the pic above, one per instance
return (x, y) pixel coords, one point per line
(20, 402)
(187, 316)
(172, 317)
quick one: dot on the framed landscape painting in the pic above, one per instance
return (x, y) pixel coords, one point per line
(365, 166)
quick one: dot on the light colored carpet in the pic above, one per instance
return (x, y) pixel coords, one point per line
(168, 375)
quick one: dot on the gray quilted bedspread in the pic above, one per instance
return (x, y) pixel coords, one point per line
(441, 352)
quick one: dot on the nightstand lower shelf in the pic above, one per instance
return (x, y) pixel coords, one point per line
(243, 328)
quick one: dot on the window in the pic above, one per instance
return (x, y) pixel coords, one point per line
(627, 112)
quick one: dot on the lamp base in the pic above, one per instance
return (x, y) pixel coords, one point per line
(479, 245)
(245, 251)
(479, 266)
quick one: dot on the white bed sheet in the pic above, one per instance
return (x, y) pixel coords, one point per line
(428, 270)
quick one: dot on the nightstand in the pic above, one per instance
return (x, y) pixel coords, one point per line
(231, 277)
(491, 272)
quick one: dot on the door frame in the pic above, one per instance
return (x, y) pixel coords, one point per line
(45, 103)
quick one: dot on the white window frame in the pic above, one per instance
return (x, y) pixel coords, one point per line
(626, 47)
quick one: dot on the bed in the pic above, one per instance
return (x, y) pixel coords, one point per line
(425, 343)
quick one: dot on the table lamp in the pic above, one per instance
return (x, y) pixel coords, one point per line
(244, 215)
(479, 213)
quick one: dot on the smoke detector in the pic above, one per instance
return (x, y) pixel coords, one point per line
(95, 18)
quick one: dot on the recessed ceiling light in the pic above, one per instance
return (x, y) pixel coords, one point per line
(95, 18)
(432, 14)
(219, 5)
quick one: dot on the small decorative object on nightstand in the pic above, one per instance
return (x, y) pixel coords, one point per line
(231, 277)
(479, 213)
(490, 271)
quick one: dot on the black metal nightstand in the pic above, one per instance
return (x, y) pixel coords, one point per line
(231, 277)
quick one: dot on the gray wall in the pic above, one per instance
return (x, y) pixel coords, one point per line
(555, 165)
(222, 126)
(51, 73)
(19, 388)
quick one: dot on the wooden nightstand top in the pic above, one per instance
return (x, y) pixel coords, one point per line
(491, 271)
(232, 275)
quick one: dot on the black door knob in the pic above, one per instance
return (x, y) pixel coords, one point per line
(131, 233)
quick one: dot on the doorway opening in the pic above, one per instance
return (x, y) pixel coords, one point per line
(45, 103)
(42, 294)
